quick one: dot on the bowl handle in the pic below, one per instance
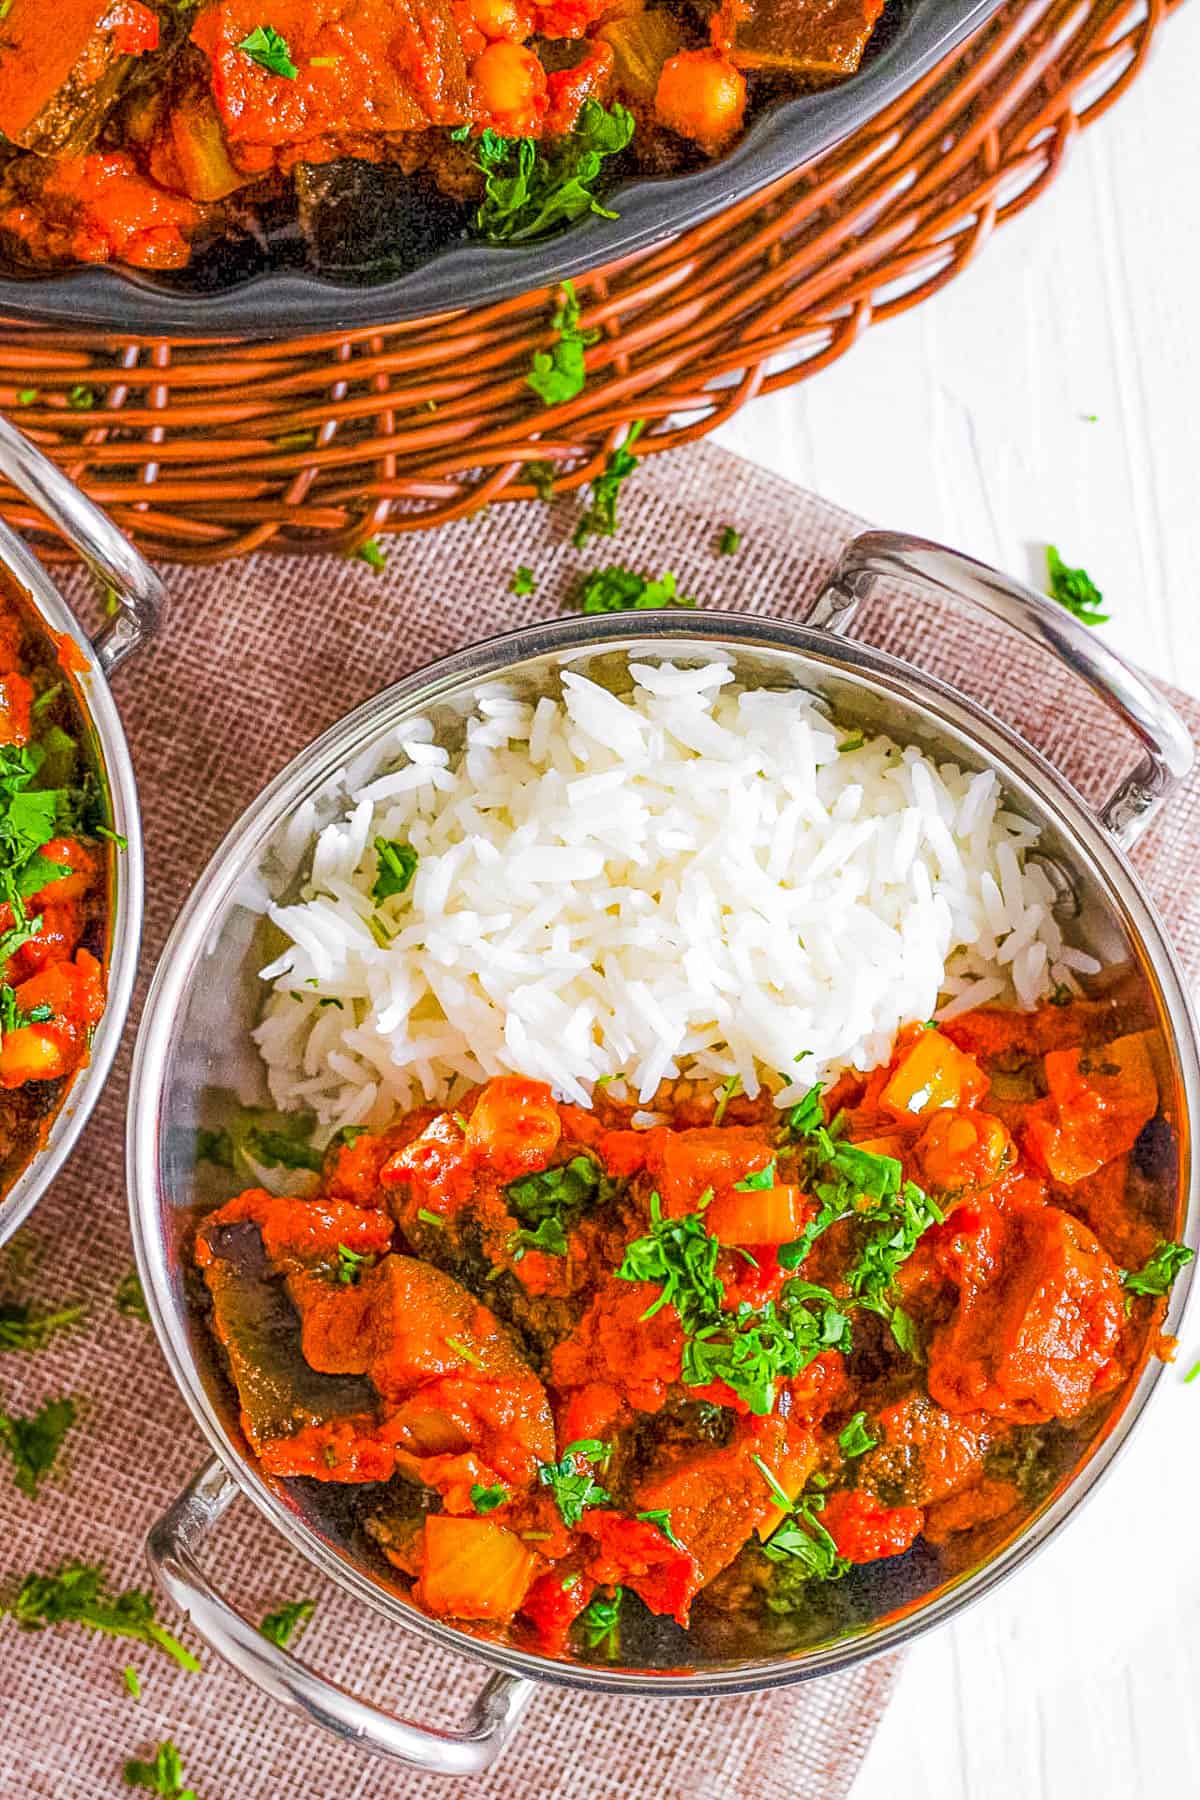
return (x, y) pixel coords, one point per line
(138, 595)
(1170, 752)
(172, 1545)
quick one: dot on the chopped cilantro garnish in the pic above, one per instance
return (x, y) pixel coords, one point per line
(1157, 1274)
(269, 50)
(550, 1237)
(523, 581)
(729, 542)
(76, 1594)
(23, 1328)
(81, 398)
(34, 1443)
(214, 1147)
(487, 1499)
(281, 1626)
(559, 373)
(758, 1178)
(600, 518)
(1075, 589)
(282, 1151)
(132, 1680)
(163, 1776)
(660, 1516)
(616, 589)
(854, 1439)
(531, 187)
(803, 1542)
(600, 1622)
(373, 555)
(681, 1256)
(729, 1090)
(572, 1480)
(541, 476)
(350, 1265)
(553, 1192)
(130, 1300)
(396, 866)
(855, 741)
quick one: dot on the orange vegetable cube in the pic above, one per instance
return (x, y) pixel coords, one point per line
(932, 1074)
(473, 1569)
(515, 1126)
(773, 1215)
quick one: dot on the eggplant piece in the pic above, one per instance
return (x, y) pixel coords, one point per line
(372, 218)
(259, 1328)
(63, 66)
(820, 40)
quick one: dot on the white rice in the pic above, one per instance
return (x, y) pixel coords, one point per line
(689, 878)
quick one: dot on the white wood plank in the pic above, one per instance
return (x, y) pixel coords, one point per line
(966, 421)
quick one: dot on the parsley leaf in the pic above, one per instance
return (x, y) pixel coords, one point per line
(730, 542)
(532, 187)
(559, 373)
(760, 1178)
(21, 1328)
(76, 1594)
(34, 1443)
(661, 1517)
(523, 581)
(567, 1187)
(1157, 1274)
(600, 519)
(265, 47)
(550, 1237)
(280, 1626)
(600, 1622)
(616, 589)
(854, 1439)
(572, 1480)
(1075, 589)
(163, 1776)
(681, 1256)
(132, 1680)
(130, 1300)
(350, 1265)
(397, 864)
(487, 1499)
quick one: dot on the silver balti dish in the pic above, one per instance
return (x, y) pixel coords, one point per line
(195, 1036)
(137, 600)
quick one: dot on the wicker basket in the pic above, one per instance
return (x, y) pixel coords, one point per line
(207, 450)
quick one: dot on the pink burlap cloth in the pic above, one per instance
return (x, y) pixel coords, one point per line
(254, 661)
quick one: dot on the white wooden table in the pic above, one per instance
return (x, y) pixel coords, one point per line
(966, 421)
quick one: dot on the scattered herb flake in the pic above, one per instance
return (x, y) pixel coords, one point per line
(572, 1480)
(854, 1439)
(132, 1680)
(616, 589)
(487, 1499)
(600, 1622)
(34, 1443)
(1075, 589)
(24, 1328)
(396, 864)
(163, 1776)
(269, 50)
(350, 1265)
(131, 1300)
(600, 517)
(730, 542)
(76, 1594)
(282, 1625)
(660, 1516)
(373, 555)
(1157, 1274)
(531, 187)
(523, 581)
(559, 373)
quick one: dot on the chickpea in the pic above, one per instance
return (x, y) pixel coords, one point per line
(510, 87)
(509, 20)
(960, 1150)
(701, 96)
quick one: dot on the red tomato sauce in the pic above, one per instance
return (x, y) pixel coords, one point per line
(591, 1376)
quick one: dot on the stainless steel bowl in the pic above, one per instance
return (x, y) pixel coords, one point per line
(138, 600)
(205, 995)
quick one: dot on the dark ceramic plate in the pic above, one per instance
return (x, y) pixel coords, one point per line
(436, 269)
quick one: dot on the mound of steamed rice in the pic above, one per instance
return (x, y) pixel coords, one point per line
(693, 878)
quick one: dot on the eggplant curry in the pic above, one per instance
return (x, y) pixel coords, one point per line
(643, 1393)
(53, 884)
(346, 132)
